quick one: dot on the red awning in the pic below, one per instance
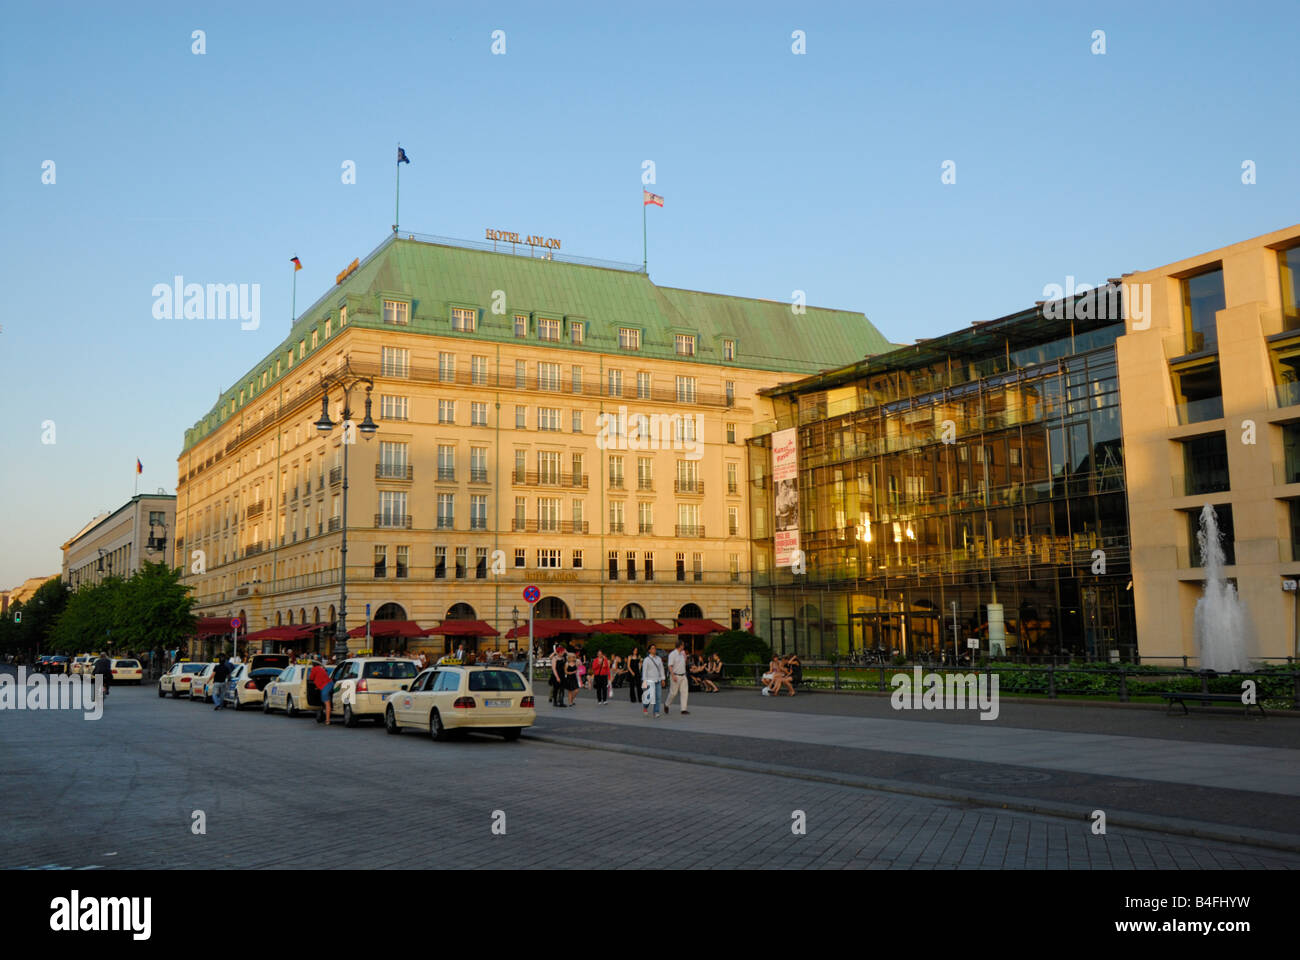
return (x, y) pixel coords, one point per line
(390, 628)
(542, 629)
(689, 626)
(296, 632)
(633, 627)
(462, 628)
(213, 627)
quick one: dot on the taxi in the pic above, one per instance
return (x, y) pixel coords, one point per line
(201, 683)
(460, 698)
(127, 671)
(292, 691)
(247, 683)
(83, 664)
(177, 680)
(362, 686)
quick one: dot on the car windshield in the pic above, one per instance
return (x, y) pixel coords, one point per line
(495, 680)
(128, 663)
(389, 670)
(191, 667)
(277, 660)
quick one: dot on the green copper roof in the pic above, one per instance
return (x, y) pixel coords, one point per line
(435, 277)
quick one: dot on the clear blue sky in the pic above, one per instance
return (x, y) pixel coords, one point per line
(818, 172)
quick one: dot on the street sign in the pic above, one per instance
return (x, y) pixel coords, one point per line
(234, 624)
(532, 594)
(973, 643)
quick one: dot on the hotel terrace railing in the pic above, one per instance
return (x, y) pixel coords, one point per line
(557, 526)
(531, 478)
(394, 471)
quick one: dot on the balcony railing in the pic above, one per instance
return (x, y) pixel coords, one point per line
(336, 476)
(394, 471)
(478, 476)
(557, 526)
(646, 528)
(446, 474)
(478, 523)
(336, 523)
(394, 520)
(647, 485)
(731, 487)
(616, 483)
(617, 527)
(320, 482)
(253, 549)
(689, 530)
(1288, 394)
(445, 523)
(1197, 411)
(688, 486)
(532, 478)
(255, 510)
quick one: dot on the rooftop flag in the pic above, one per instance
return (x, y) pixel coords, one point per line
(650, 198)
(402, 157)
(297, 264)
(139, 467)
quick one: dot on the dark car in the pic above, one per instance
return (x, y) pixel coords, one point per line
(56, 664)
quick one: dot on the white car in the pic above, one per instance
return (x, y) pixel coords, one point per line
(291, 692)
(362, 686)
(201, 683)
(127, 671)
(176, 681)
(246, 685)
(446, 699)
(82, 664)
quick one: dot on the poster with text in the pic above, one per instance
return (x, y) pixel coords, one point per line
(785, 483)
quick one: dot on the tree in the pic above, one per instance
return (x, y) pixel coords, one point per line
(40, 612)
(88, 621)
(155, 611)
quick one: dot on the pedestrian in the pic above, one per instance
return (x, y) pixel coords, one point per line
(634, 676)
(571, 680)
(616, 669)
(220, 674)
(557, 676)
(600, 678)
(677, 670)
(652, 680)
(320, 679)
(103, 668)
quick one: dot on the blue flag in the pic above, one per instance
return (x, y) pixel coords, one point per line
(402, 157)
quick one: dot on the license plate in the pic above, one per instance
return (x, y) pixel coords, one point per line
(384, 696)
(497, 703)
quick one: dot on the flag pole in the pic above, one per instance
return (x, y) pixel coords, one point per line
(293, 309)
(397, 201)
(643, 246)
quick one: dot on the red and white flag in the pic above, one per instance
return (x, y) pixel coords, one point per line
(650, 198)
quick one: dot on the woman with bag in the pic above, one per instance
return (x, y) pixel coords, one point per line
(633, 676)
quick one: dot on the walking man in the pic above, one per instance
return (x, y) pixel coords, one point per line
(220, 674)
(677, 669)
(652, 679)
(103, 668)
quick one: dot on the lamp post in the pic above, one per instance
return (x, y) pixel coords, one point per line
(346, 380)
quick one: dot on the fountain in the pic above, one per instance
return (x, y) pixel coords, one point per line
(1220, 619)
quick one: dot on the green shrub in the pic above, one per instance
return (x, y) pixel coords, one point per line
(734, 646)
(614, 644)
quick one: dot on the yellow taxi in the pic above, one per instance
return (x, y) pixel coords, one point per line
(362, 686)
(201, 683)
(127, 671)
(292, 691)
(461, 698)
(83, 664)
(248, 681)
(176, 681)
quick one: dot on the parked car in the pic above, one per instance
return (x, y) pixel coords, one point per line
(291, 691)
(200, 684)
(362, 686)
(83, 664)
(127, 671)
(446, 699)
(176, 681)
(246, 685)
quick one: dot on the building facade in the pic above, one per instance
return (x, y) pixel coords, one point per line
(1210, 384)
(968, 487)
(539, 421)
(115, 544)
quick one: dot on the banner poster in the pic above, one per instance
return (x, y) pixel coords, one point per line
(785, 483)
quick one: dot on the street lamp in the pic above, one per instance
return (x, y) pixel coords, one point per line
(345, 379)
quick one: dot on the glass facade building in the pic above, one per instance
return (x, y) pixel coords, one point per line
(967, 486)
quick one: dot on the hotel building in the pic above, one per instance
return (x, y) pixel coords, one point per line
(540, 420)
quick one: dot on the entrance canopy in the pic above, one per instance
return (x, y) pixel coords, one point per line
(697, 627)
(544, 629)
(462, 628)
(633, 627)
(403, 629)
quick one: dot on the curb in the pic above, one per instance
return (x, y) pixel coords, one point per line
(1138, 821)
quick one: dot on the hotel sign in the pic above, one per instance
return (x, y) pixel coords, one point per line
(505, 236)
(347, 271)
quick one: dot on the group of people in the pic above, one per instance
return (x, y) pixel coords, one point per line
(643, 677)
(782, 673)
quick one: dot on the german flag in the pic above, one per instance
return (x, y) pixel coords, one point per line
(297, 264)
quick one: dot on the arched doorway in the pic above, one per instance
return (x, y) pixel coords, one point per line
(552, 608)
(302, 614)
(315, 614)
(690, 611)
(279, 616)
(461, 611)
(390, 611)
(291, 618)
(633, 611)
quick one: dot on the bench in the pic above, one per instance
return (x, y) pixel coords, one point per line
(1182, 698)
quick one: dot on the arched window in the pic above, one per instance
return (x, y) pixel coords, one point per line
(633, 611)
(552, 608)
(461, 611)
(315, 614)
(690, 611)
(278, 617)
(390, 611)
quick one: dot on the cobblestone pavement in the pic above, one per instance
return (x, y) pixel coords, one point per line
(122, 792)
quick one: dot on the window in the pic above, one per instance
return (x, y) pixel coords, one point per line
(521, 325)
(577, 517)
(1202, 298)
(730, 386)
(648, 562)
(302, 352)
(685, 344)
(462, 562)
(579, 478)
(478, 367)
(645, 517)
(521, 508)
(681, 566)
(480, 563)
(521, 418)
(688, 520)
(392, 460)
(381, 562)
(548, 330)
(731, 478)
(685, 389)
(1205, 465)
(446, 462)
(731, 433)
(728, 349)
(392, 408)
(733, 521)
(548, 418)
(630, 566)
(521, 559)
(463, 320)
(575, 378)
(548, 466)
(521, 374)
(395, 362)
(548, 514)
(613, 564)
(521, 466)
(645, 473)
(616, 472)
(548, 558)
(1198, 395)
(616, 516)
(343, 316)
(642, 385)
(615, 383)
(688, 477)
(478, 465)
(577, 560)
(1289, 267)
(548, 376)
(403, 562)
(478, 511)
(478, 413)
(392, 508)
(733, 566)
(446, 411)
(447, 367)
(629, 338)
(396, 312)
(446, 511)
(577, 421)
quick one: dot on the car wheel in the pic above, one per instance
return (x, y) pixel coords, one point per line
(266, 704)
(176, 694)
(160, 691)
(349, 718)
(436, 729)
(239, 704)
(390, 721)
(289, 710)
(512, 733)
